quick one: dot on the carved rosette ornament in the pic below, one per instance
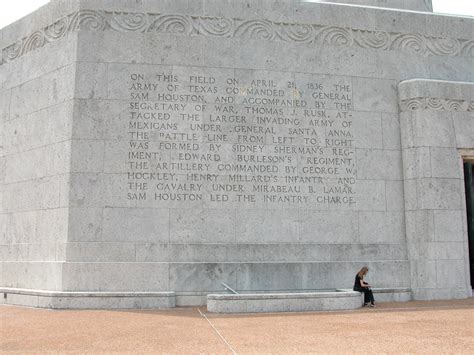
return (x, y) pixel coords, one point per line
(265, 30)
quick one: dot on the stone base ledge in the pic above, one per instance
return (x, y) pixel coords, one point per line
(398, 294)
(393, 294)
(283, 302)
(87, 299)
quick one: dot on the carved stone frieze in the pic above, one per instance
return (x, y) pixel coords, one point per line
(187, 25)
(436, 104)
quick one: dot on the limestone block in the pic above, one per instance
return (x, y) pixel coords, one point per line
(323, 275)
(437, 251)
(87, 156)
(201, 276)
(198, 225)
(450, 273)
(2, 149)
(464, 129)
(406, 130)
(87, 189)
(97, 190)
(403, 64)
(136, 225)
(411, 197)
(449, 225)
(5, 104)
(439, 193)
(388, 166)
(382, 227)
(429, 129)
(3, 168)
(8, 252)
(113, 191)
(449, 26)
(301, 226)
(41, 128)
(52, 225)
(446, 163)
(34, 252)
(60, 251)
(33, 194)
(85, 224)
(3, 72)
(3, 229)
(100, 119)
(423, 274)
(370, 195)
(121, 276)
(339, 60)
(259, 252)
(345, 16)
(20, 227)
(452, 68)
(90, 80)
(392, 295)
(420, 226)
(417, 162)
(394, 195)
(276, 276)
(47, 161)
(367, 130)
(374, 95)
(48, 90)
(391, 131)
(33, 275)
(439, 293)
(100, 252)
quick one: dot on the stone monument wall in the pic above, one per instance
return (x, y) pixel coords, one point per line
(36, 109)
(193, 143)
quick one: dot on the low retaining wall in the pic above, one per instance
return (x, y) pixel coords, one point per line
(87, 300)
(283, 302)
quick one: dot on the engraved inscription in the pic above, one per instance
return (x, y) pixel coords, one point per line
(247, 137)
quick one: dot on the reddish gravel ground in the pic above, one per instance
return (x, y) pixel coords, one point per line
(412, 327)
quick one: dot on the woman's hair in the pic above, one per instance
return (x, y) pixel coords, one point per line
(363, 271)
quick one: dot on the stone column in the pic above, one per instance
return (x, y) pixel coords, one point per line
(437, 132)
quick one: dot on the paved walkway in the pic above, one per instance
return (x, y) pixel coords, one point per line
(413, 327)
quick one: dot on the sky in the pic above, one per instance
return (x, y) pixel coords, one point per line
(12, 10)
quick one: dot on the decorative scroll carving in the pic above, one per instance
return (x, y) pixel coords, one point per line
(436, 104)
(125, 22)
(266, 30)
(220, 27)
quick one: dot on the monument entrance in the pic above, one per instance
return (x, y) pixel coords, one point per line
(469, 181)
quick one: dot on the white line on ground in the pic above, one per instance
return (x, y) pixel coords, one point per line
(218, 333)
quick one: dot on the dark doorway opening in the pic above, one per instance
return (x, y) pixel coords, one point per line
(469, 182)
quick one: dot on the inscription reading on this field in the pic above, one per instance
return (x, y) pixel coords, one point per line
(256, 138)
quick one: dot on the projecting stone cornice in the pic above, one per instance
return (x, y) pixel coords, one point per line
(266, 30)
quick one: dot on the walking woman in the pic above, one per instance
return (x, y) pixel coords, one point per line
(362, 286)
